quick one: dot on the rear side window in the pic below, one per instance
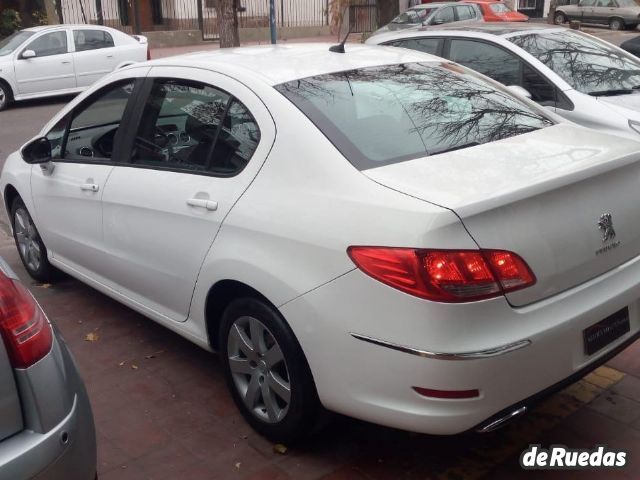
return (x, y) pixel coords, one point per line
(195, 127)
(92, 40)
(382, 115)
(465, 12)
(499, 8)
(444, 15)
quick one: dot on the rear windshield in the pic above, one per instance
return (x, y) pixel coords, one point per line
(382, 115)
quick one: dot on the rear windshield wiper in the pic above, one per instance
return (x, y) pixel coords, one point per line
(610, 93)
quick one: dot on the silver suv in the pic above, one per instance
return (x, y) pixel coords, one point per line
(618, 14)
(434, 14)
(46, 428)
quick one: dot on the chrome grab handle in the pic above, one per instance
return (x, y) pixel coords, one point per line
(89, 187)
(203, 203)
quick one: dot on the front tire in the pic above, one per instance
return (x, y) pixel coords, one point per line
(266, 371)
(616, 24)
(6, 96)
(31, 248)
(559, 18)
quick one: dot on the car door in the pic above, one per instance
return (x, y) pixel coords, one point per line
(52, 67)
(94, 55)
(586, 11)
(67, 192)
(201, 139)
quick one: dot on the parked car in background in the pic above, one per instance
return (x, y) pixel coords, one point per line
(497, 11)
(584, 79)
(389, 275)
(62, 59)
(632, 46)
(618, 14)
(47, 430)
(434, 14)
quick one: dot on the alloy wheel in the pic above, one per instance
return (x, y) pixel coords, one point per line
(258, 369)
(27, 239)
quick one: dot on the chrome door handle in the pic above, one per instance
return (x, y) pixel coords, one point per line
(109, 56)
(89, 187)
(66, 62)
(202, 203)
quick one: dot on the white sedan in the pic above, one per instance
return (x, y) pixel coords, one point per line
(62, 59)
(581, 77)
(380, 232)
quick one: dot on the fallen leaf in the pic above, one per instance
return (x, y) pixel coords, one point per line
(91, 337)
(134, 367)
(122, 364)
(280, 448)
(44, 285)
(238, 465)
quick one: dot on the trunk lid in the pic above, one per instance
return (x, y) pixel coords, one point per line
(540, 195)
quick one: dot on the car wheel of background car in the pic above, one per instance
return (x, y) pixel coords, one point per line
(267, 372)
(559, 18)
(32, 251)
(6, 96)
(616, 24)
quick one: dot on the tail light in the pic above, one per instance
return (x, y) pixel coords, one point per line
(24, 328)
(445, 275)
(148, 52)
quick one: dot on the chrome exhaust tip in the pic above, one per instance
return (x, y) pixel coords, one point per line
(501, 421)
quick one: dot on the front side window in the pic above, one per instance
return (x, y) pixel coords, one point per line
(586, 63)
(54, 43)
(410, 16)
(382, 115)
(92, 40)
(426, 45)
(444, 15)
(93, 128)
(191, 126)
(489, 60)
(13, 41)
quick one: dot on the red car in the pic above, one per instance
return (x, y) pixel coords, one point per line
(495, 11)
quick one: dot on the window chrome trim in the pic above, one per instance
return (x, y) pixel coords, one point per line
(491, 352)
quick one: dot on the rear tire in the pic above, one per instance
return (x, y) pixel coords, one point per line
(616, 24)
(267, 372)
(31, 248)
(6, 96)
(559, 18)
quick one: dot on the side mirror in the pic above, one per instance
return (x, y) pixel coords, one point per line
(518, 90)
(37, 151)
(28, 54)
(437, 21)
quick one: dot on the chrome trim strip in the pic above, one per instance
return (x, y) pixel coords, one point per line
(500, 422)
(491, 352)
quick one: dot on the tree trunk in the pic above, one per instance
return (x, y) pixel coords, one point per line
(52, 14)
(228, 24)
(387, 11)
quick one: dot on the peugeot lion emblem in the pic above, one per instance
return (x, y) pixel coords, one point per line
(605, 224)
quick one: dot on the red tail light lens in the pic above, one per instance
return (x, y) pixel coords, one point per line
(25, 330)
(445, 275)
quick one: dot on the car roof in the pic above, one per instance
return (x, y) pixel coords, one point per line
(424, 6)
(499, 28)
(275, 64)
(40, 28)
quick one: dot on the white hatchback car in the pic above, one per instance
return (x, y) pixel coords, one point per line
(62, 59)
(581, 77)
(381, 232)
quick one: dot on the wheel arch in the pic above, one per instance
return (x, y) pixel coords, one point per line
(10, 194)
(219, 296)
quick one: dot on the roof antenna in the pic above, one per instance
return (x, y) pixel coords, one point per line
(339, 48)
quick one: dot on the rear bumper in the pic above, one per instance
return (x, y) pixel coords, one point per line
(65, 451)
(374, 382)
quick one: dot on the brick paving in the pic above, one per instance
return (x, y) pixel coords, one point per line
(162, 410)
